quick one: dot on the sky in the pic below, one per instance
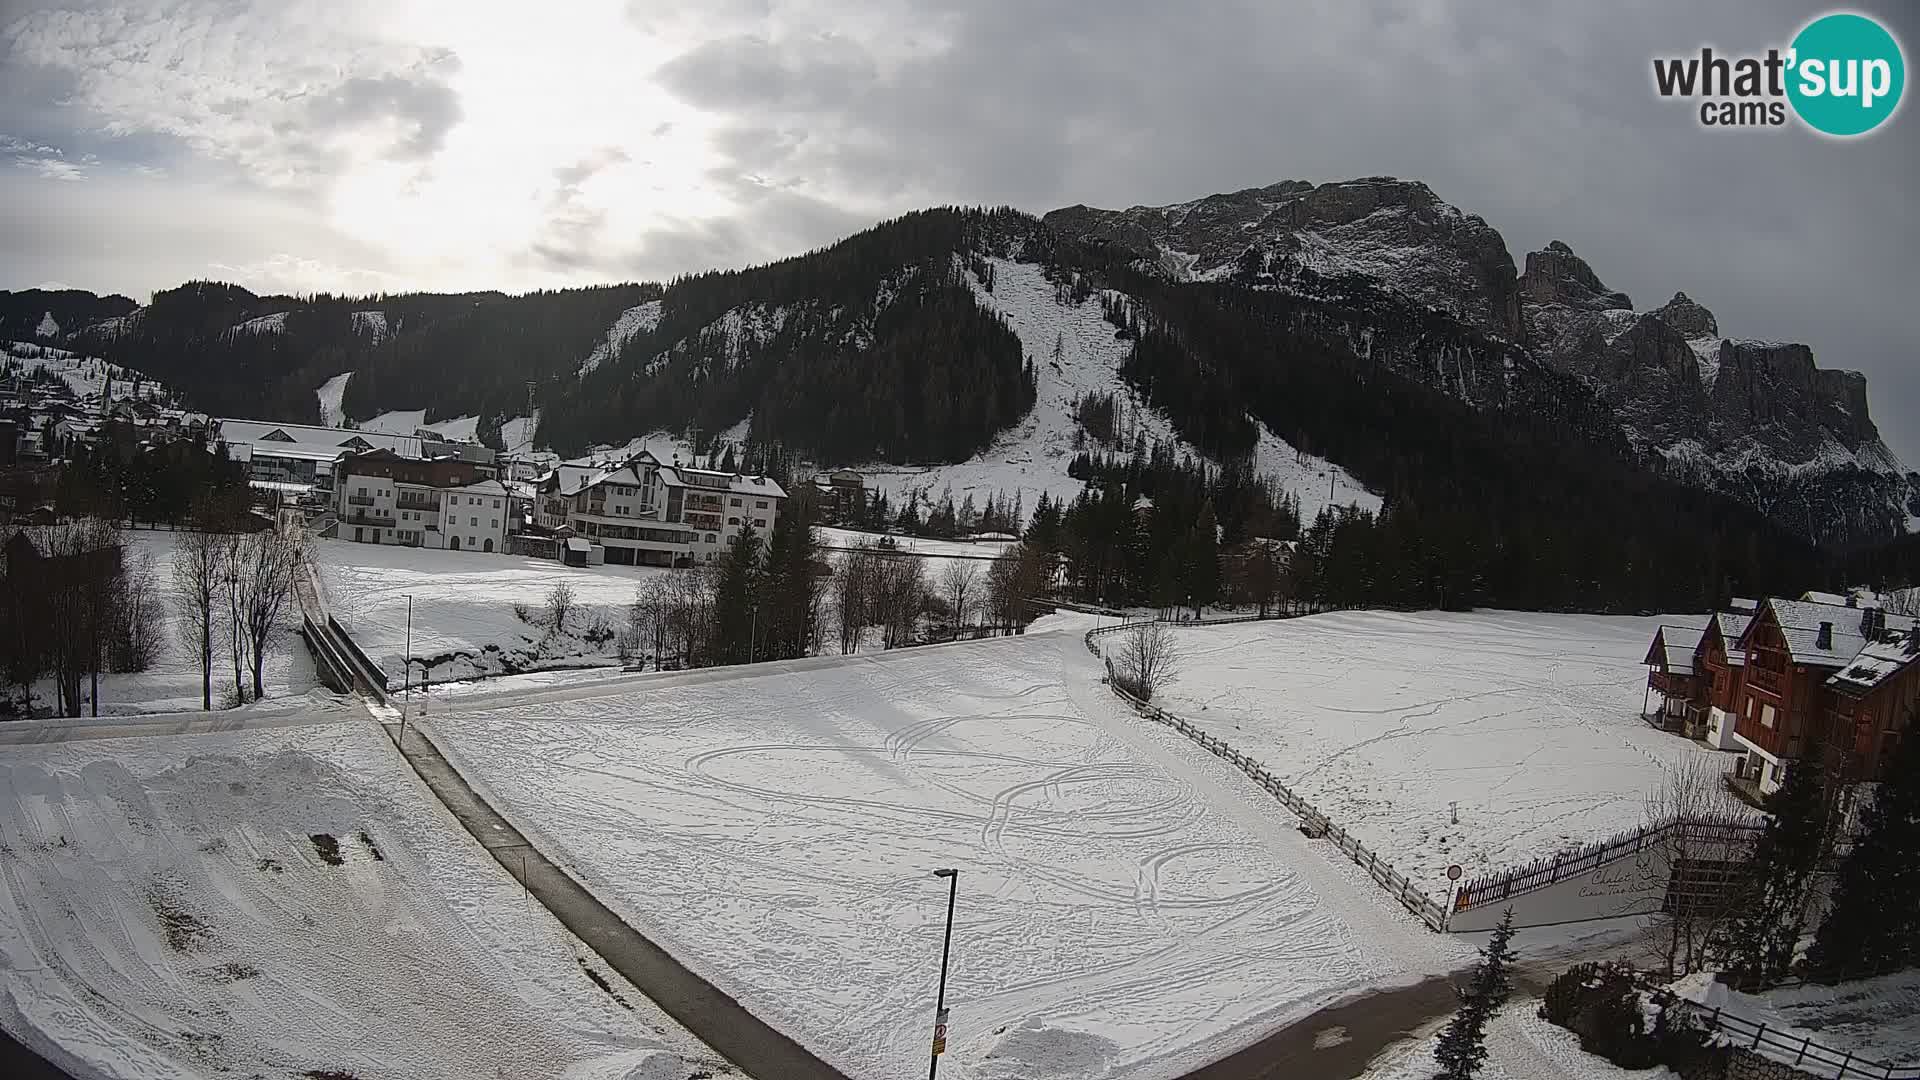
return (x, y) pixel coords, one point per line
(370, 145)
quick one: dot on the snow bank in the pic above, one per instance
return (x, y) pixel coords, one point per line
(1520, 1046)
(282, 902)
(1529, 723)
(1125, 907)
(1877, 1019)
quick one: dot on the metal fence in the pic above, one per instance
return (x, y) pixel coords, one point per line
(1315, 822)
(1798, 1051)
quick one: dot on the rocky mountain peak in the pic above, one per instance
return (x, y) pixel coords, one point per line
(1555, 275)
(1688, 317)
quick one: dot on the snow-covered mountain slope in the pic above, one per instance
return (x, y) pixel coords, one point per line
(371, 323)
(636, 320)
(1758, 421)
(330, 394)
(86, 376)
(1075, 355)
(408, 421)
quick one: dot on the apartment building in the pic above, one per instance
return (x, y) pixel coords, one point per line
(381, 497)
(649, 514)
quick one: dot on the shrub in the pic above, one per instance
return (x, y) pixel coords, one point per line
(523, 613)
(1601, 1004)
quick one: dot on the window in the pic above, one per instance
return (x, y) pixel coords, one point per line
(362, 491)
(710, 538)
(496, 523)
(1766, 716)
(496, 504)
(733, 521)
(760, 504)
(759, 523)
(473, 522)
(733, 502)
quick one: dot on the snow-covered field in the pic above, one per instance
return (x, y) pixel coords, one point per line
(1128, 907)
(408, 421)
(463, 617)
(173, 683)
(1528, 723)
(86, 376)
(1032, 456)
(285, 902)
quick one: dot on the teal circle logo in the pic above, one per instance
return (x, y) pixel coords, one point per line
(1846, 75)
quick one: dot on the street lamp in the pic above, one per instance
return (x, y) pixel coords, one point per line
(406, 679)
(946, 950)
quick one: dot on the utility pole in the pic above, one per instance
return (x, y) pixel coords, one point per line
(946, 950)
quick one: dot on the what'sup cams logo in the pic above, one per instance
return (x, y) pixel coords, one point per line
(1842, 76)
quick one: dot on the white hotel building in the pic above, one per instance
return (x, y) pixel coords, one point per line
(648, 514)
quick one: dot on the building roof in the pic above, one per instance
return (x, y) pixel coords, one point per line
(478, 487)
(1731, 625)
(1800, 624)
(233, 430)
(1673, 648)
(1878, 662)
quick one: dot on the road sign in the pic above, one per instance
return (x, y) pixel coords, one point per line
(940, 1033)
(1453, 872)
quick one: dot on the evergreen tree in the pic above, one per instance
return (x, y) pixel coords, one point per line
(727, 463)
(1873, 927)
(1463, 1045)
(735, 616)
(1757, 944)
(789, 596)
(1202, 555)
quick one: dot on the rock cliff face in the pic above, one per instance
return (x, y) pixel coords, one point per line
(1756, 420)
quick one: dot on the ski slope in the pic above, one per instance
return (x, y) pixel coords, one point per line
(1128, 906)
(285, 902)
(1528, 722)
(330, 394)
(1032, 456)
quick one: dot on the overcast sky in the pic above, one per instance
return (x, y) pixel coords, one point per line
(360, 145)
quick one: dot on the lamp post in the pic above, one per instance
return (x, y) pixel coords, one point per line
(946, 950)
(406, 679)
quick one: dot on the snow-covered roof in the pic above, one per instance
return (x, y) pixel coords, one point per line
(480, 487)
(236, 430)
(579, 543)
(1677, 644)
(1800, 624)
(1732, 624)
(1878, 662)
(1743, 605)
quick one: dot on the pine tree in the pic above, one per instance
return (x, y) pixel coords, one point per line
(788, 603)
(735, 617)
(1873, 926)
(1757, 944)
(1203, 560)
(1463, 1045)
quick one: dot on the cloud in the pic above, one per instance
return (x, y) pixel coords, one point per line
(292, 94)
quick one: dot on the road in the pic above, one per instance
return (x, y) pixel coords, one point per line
(716, 1019)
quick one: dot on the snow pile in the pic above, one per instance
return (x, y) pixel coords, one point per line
(330, 394)
(636, 320)
(371, 323)
(1126, 906)
(1520, 1046)
(1876, 1019)
(463, 608)
(275, 323)
(1032, 456)
(48, 327)
(1527, 724)
(266, 902)
(1034, 1049)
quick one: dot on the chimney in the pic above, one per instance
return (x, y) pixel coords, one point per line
(1825, 638)
(1873, 623)
(1852, 600)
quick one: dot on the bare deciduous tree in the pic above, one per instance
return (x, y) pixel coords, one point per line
(138, 618)
(1702, 868)
(196, 590)
(1903, 602)
(1146, 659)
(957, 582)
(268, 571)
(561, 603)
(896, 600)
(852, 582)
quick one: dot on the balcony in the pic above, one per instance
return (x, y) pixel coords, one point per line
(1674, 684)
(405, 503)
(367, 517)
(1767, 679)
(360, 500)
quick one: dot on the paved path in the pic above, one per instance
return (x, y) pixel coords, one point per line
(19, 1063)
(716, 1019)
(1336, 1043)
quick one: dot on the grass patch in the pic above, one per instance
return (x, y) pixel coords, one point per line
(327, 848)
